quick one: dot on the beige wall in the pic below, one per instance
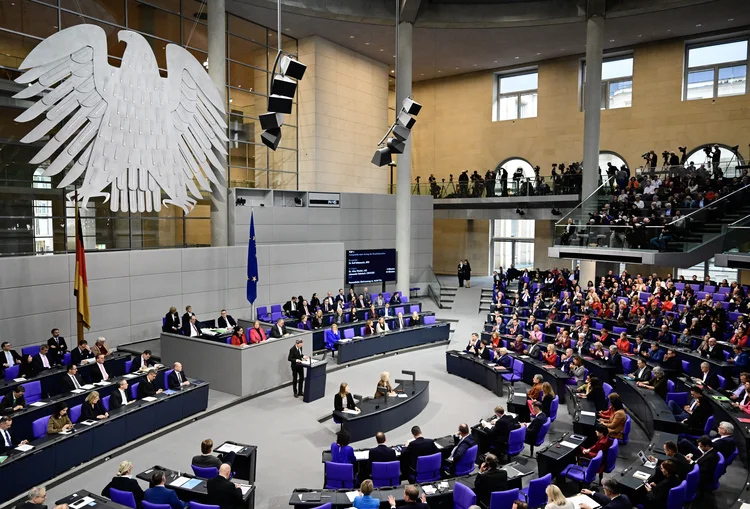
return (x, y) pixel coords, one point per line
(343, 113)
(455, 130)
(543, 231)
(455, 239)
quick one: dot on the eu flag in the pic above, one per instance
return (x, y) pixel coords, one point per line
(252, 264)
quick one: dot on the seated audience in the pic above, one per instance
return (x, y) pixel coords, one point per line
(616, 423)
(463, 441)
(41, 361)
(489, 479)
(364, 499)
(177, 378)
(225, 321)
(99, 347)
(59, 421)
(99, 372)
(417, 447)
(172, 322)
(120, 396)
(7, 441)
(343, 399)
(93, 409)
(191, 327)
(538, 419)
(381, 453)
(143, 362)
(147, 387)
(611, 496)
(341, 451)
(71, 380)
(35, 498)
(257, 333)
(238, 337)
(658, 383)
(160, 494)
(124, 481)
(556, 499)
(81, 353)
(223, 492)
(279, 330)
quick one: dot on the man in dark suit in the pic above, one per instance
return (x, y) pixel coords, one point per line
(36, 498)
(615, 359)
(225, 321)
(534, 351)
(295, 358)
(57, 346)
(400, 322)
(707, 464)
(177, 378)
(305, 309)
(380, 453)
(723, 443)
(147, 387)
(7, 442)
(8, 356)
(143, 362)
(419, 446)
(707, 378)
(395, 298)
(187, 316)
(463, 441)
(41, 361)
(340, 298)
(695, 414)
(412, 499)
(499, 433)
(99, 371)
(489, 479)
(71, 380)
(279, 330)
(642, 373)
(207, 459)
(124, 481)
(538, 419)
(222, 491)
(119, 397)
(680, 461)
(291, 307)
(80, 353)
(160, 494)
(713, 351)
(191, 328)
(13, 401)
(611, 498)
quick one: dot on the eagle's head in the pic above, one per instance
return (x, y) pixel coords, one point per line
(138, 51)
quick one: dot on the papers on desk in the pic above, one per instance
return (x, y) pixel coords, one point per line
(149, 398)
(584, 499)
(192, 483)
(349, 411)
(245, 488)
(584, 412)
(88, 422)
(179, 481)
(227, 447)
(24, 447)
(523, 357)
(567, 444)
(643, 476)
(402, 395)
(130, 375)
(361, 455)
(351, 494)
(103, 383)
(208, 332)
(745, 505)
(515, 416)
(87, 386)
(429, 489)
(77, 391)
(68, 432)
(439, 446)
(39, 403)
(169, 391)
(443, 485)
(82, 503)
(720, 398)
(19, 379)
(344, 340)
(491, 364)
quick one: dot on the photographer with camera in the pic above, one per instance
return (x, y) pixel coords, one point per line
(463, 184)
(503, 176)
(683, 155)
(489, 183)
(434, 187)
(619, 232)
(478, 183)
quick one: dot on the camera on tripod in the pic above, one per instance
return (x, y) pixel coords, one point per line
(646, 156)
(682, 149)
(417, 178)
(708, 150)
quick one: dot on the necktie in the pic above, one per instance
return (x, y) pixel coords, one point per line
(45, 362)
(105, 376)
(75, 382)
(179, 378)
(123, 396)
(6, 435)
(9, 358)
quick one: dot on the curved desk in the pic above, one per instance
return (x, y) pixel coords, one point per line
(381, 415)
(479, 371)
(645, 407)
(359, 348)
(558, 379)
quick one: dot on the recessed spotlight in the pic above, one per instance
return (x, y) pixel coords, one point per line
(367, 44)
(699, 24)
(669, 29)
(230, 100)
(495, 61)
(288, 29)
(440, 71)
(730, 19)
(640, 35)
(393, 70)
(394, 56)
(611, 40)
(516, 58)
(538, 53)
(421, 74)
(351, 37)
(457, 68)
(563, 49)
(475, 65)
(381, 49)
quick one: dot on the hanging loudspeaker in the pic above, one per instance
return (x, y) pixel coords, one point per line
(395, 145)
(279, 104)
(281, 85)
(400, 132)
(382, 157)
(406, 120)
(411, 106)
(271, 138)
(271, 120)
(292, 68)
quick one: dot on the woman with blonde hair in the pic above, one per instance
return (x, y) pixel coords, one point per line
(92, 409)
(364, 500)
(123, 481)
(172, 321)
(384, 382)
(556, 499)
(343, 399)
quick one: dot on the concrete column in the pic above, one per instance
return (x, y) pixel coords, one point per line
(403, 182)
(592, 106)
(587, 273)
(217, 70)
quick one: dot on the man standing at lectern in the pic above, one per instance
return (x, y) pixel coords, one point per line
(298, 372)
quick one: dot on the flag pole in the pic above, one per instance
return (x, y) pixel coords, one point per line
(252, 304)
(79, 321)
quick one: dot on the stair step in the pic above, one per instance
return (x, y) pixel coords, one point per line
(449, 288)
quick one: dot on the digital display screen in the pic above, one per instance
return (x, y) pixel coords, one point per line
(370, 266)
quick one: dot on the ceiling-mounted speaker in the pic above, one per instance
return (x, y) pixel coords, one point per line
(271, 121)
(411, 106)
(395, 145)
(292, 68)
(271, 138)
(406, 120)
(282, 85)
(400, 132)
(382, 157)
(279, 104)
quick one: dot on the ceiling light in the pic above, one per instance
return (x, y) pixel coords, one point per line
(351, 37)
(392, 70)
(288, 29)
(367, 44)
(475, 65)
(230, 100)
(730, 19)
(381, 49)
(563, 49)
(394, 56)
(516, 58)
(669, 29)
(538, 54)
(495, 61)
(457, 68)
(698, 25)
(440, 71)
(640, 35)
(422, 74)
(611, 40)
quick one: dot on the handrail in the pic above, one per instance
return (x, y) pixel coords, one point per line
(708, 206)
(584, 200)
(741, 220)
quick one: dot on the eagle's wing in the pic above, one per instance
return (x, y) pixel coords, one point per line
(197, 115)
(75, 60)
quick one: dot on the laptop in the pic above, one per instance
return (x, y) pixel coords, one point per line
(644, 460)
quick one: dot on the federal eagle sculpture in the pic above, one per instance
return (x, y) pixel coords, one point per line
(130, 133)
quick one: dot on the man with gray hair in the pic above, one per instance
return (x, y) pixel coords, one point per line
(708, 378)
(147, 388)
(723, 443)
(615, 359)
(296, 357)
(37, 495)
(611, 498)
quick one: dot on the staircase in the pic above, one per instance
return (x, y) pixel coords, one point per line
(485, 301)
(447, 296)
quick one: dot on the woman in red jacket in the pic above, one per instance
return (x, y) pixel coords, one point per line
(603, 443)
(238, 338)
(257, 334)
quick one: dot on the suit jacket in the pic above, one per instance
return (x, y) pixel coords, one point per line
(162, 495)
(186, 318)
(294, 356)
(146, 388)
(615, 360)
(206, 460)
(697, 420)
(330, 339)
(725, 445)
(172, 381)
(487, 482)
(645, 377)
(535, 351)
(222, 324)
(13, 442)
(657, 497)
(96, 374)
(504, 360)
(500, 432)
(137, 363)
(275, 333)
(621, 502)
(186, 326)
(419, 447)
(116, 401)
(125, 484)
(61, 347)
(461, 447)
(67, 384)
(395, 299)
(171, 321)
(7, 404)
(338, 402)
(76, 356)
(414, 505)
(13, 354)
(381, 454)
(224, 493)
(287, 307)
(708, 463)
(712, 380)
(716, 354)
(532, 430)
(89, 412)
(37, 366)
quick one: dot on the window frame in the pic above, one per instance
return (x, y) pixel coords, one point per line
(498, 96)
(606, 82)
(713, 67)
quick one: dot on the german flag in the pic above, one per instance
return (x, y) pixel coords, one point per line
(81, 286)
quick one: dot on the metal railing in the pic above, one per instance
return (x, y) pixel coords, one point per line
(526, 186)
(737, 239)
(434, 287)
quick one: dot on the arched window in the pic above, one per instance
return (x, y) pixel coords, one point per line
(607, 156)
(513, 163)
(729, 158)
